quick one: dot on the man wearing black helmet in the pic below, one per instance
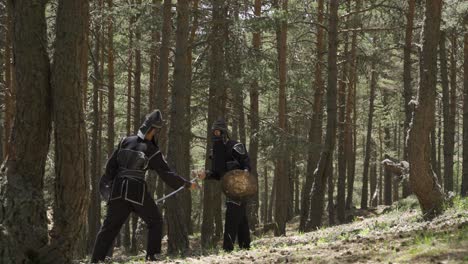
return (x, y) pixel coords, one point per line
(229, 155)
(124, 186)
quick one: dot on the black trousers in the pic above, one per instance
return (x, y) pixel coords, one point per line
(236, 225)
(117, 213)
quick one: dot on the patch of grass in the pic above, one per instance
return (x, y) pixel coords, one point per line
(460, 204)
(364, 232)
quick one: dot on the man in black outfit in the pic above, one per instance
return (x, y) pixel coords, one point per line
(229, 155)
(123, 184)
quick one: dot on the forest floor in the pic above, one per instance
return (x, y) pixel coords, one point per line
(392, 234)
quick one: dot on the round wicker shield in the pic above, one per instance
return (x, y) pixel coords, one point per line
(239, 184)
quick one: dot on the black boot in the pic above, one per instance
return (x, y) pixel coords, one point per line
(152, 257)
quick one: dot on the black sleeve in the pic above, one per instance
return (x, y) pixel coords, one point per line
(212, 175)
(159, 164)
(240, 154)
(112, 165)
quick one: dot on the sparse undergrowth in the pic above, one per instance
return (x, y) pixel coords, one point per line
(399, 235)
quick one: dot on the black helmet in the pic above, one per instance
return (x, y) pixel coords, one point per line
(153, 120)
(220, 125)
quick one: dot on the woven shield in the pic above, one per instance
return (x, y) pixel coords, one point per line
(239, 185)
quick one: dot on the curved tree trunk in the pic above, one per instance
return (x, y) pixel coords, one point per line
(422, 179)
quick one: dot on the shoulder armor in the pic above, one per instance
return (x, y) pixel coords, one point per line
(239, 148)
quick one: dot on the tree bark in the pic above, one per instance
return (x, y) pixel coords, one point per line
(216, 110)
(110, 84)
(351, 114)
(71, 182)
(94, 213)
(177, 226)
(315, 130)
(407, 79)
(365, 182)
(342, 145)
(9, 93)
(254, 118)
(23, 213)
(464, 186)
(449, 117)
(423, 181)
(282, 190)
(325, 164)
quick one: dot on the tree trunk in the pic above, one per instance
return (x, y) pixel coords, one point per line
(94, 213)
(282, 189)
(373, 177)
(177, 226)
(265, 196)
(162, 86)
(188, 132)
(331, 205)
(453, 110)
(387, 143)
(365, 182)
(23, 212)
(464, 186)
(407, 87)
(351, 114)
(325, 164)
(315, 130)
(423, 181)
(110, 84)
(9, 93)
(71, 182)
(254, 120)
(216, 110)
(449, 117)
(342, 145)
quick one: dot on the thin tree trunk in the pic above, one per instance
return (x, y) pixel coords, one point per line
(423, 181)
(282, 189)
(387, 143)
(407, 79)
(449, 117)
(331, 204)
(216, 110)
(351, 115)
(452, 109)
(365, 183)
(94, 214)
(254, 120)
(110, 84)
(373, 177)
(342, 145)
(324, 166)
(265, 196)
(315, 130)
(23, 209)
(9, 93)
(191, 41)
(464, 186)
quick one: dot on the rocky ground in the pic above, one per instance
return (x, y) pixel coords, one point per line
(396, 234)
